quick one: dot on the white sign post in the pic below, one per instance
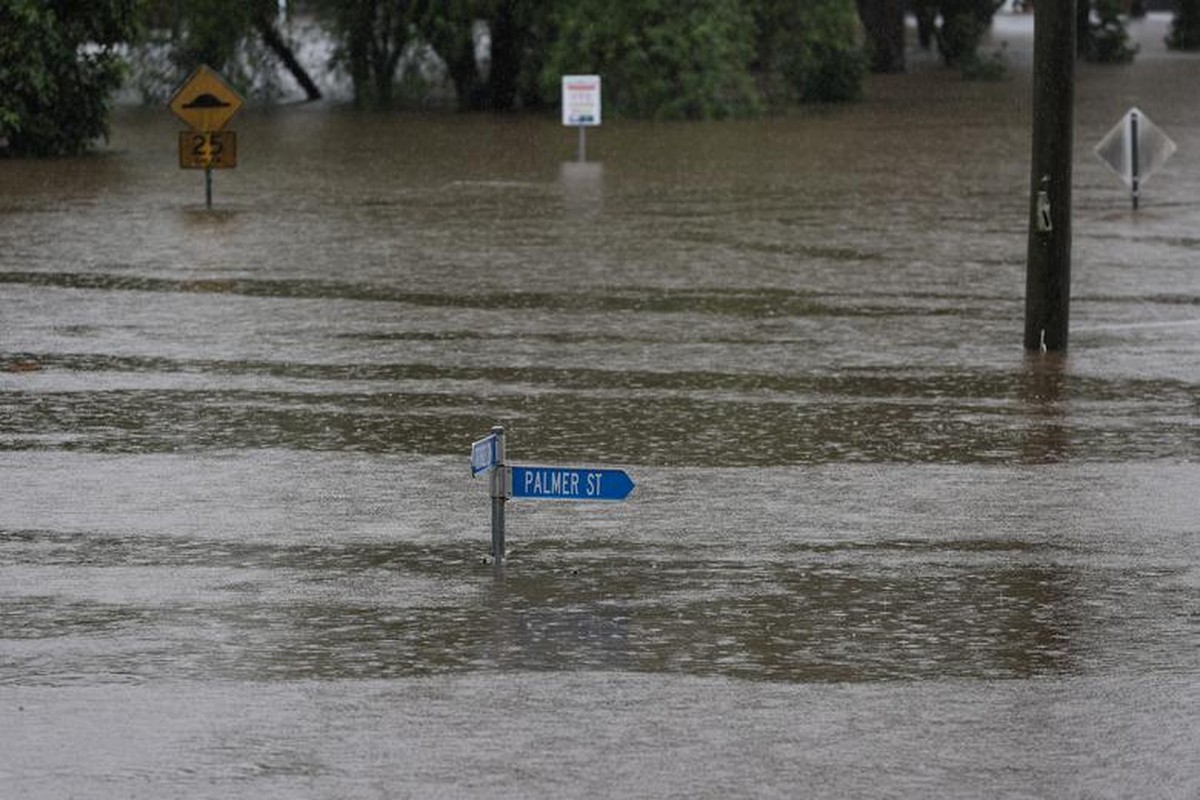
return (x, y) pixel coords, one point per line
(581, 106)
(1135, 149)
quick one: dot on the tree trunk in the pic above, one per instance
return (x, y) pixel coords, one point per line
(926, 13)
(358, 50)
(1185, 27)
(1083, 28)
(883, 22)
(272, 39)
(385, 79)
(506, 59)
(472, 94)
(381, 61)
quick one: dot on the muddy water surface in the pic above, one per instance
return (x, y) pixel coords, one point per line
(874, 549)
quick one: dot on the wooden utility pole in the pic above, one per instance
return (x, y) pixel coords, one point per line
(1048, 269)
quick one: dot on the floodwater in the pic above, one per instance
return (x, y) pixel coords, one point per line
(874, 550)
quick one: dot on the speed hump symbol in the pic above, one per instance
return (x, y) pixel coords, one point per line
(205, 102)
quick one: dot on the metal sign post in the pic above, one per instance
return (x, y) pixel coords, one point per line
(206, 103)
(499, 492)
(488, 455)
(1133, 159)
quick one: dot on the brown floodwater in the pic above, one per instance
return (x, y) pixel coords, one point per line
(874, 549)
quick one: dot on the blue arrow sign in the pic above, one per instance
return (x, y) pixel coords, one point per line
(569, 483)
(485, 455)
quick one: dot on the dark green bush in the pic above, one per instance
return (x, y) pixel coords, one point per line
(993, 67)
(959, 36)
(58, 69)
(1107, 41)
(811, 52)
(1185, 27)
(660, 60)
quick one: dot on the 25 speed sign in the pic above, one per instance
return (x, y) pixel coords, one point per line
(207, 149)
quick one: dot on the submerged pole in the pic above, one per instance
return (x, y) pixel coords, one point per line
(1135, 173)
(1048, 266)
(499, 492)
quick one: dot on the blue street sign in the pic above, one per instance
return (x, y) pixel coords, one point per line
(569, 483)
(485, 455)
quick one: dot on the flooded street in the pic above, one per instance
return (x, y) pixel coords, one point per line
(874, 549)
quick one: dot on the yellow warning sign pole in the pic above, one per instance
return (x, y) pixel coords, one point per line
(205, 102)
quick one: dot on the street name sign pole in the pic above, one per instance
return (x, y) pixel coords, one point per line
(487, 457)
(588, 484)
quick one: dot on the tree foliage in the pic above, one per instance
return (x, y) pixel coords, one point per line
(963, 25)
(237, 38)
(659, 60)
(809, 52)
(957, 27)
(883, 22)
(211, 32)
(372, 36)
(1185, 27)
(694, 59)
(690, 59)
(58, 68)
(517, 36)
(1105, 41)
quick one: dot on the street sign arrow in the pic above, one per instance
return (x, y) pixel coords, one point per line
(569, 483)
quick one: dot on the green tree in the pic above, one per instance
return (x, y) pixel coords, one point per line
(688, 59)
(964, 23)
(448, 26)
(1185, 27)
(517, 32)
(58, 68)
(372, 36)
(1107, 40)
(883, 22)
(808, 52)
(694, 59)
(223, 34)
(211, 32)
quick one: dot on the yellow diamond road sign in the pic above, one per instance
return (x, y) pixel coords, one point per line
(205, 101)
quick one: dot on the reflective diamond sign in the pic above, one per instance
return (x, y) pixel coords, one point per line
(1135, 149)
(205, 102)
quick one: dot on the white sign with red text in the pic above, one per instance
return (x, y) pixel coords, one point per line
(581, 100)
